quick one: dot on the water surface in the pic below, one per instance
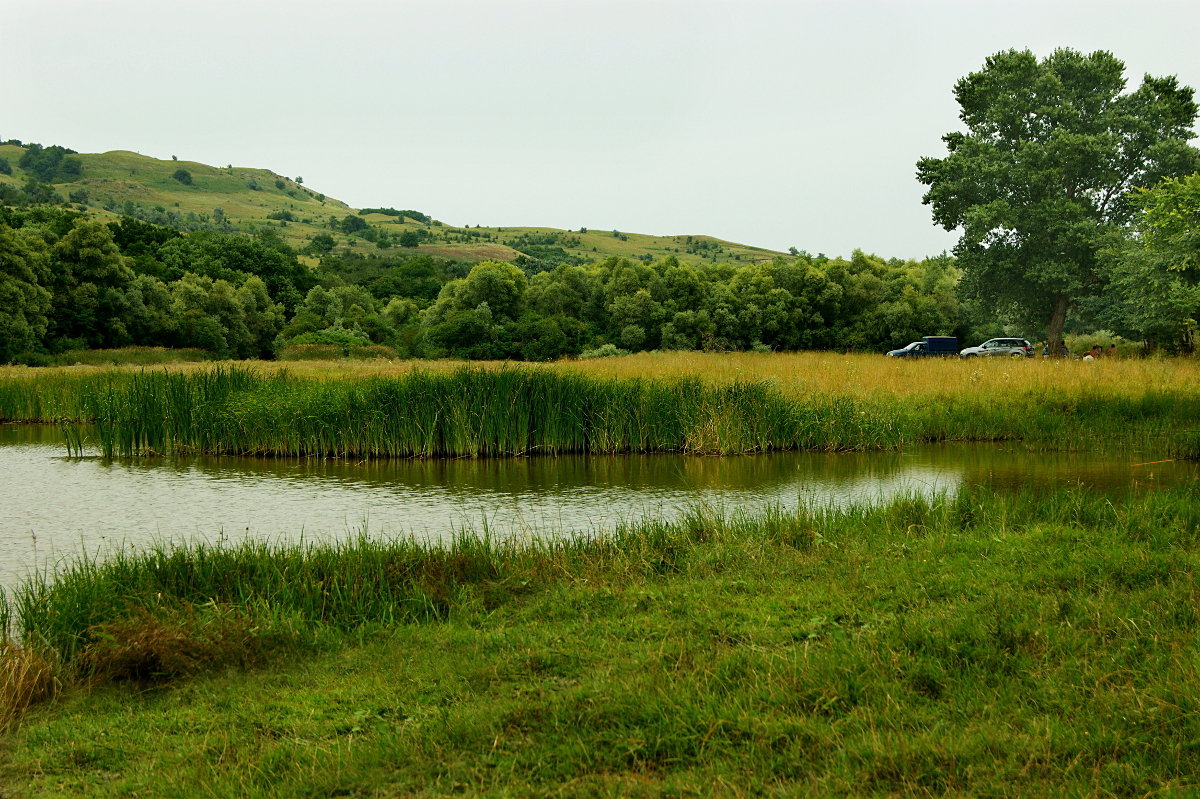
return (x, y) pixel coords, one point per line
(51, 506)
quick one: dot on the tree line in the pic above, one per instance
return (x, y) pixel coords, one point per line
(68, 281)
(1078, 205)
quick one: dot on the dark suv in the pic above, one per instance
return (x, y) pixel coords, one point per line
(1012, 347)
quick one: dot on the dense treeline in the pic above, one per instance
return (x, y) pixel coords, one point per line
(71, 282)
(68, 281)
(162, 278)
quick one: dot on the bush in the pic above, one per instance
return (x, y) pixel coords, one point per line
(335, 336)
(183, 176)
(604, 351)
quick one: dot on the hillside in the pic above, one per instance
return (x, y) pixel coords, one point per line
(243, 198)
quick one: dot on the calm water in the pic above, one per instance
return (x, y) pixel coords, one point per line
(51, 506)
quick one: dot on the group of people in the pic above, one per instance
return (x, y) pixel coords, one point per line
(1096, 351)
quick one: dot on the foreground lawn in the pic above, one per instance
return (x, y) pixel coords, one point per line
(1037, 645)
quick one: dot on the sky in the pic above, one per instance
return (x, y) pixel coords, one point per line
(775, 124)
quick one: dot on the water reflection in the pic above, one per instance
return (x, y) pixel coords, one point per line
(51, 506)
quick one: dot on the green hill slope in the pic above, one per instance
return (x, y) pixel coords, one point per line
(192, 195)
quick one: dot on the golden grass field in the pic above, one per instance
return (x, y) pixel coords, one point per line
(862, 376)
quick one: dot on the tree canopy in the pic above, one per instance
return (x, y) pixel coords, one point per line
(1043, 173)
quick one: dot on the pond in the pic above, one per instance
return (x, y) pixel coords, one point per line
(52, 506)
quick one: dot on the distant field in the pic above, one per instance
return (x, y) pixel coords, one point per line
(857, 375)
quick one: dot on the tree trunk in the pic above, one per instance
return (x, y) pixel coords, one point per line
(1058, 318)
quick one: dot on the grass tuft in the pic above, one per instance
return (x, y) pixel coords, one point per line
(28, 676)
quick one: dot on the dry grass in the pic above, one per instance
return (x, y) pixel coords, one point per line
(803, 374)
(27, 677)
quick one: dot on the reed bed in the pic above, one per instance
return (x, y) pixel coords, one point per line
(464, 413)
(697, 403)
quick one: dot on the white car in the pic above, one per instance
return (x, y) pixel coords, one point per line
(1012, 347)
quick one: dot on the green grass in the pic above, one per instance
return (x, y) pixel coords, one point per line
(118, 176)
(1039, 644)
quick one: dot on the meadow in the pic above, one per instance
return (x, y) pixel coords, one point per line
(1038, 643)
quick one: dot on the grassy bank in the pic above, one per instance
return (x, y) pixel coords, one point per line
(689, 405)
(1034, 645)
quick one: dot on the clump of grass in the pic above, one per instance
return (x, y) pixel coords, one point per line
(160, 644)
(28, 676)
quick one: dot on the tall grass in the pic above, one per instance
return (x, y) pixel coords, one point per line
(464, 413)
(485, 412)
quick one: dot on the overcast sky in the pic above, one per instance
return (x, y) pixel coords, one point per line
(769, 123)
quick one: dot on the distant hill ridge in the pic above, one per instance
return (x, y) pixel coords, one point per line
(190, 195)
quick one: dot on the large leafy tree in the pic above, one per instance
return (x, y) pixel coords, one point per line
(24, 302)
(1043, 173)
(1155, 277)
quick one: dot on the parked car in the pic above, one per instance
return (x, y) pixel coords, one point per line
(1012, 347)
(930, 345)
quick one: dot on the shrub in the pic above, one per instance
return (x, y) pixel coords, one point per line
(335, 336)
(183, 176)
(604, 351)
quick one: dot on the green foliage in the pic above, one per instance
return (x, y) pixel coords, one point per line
(416, 216)
(24, 302)
(1044, 171)
(604, 351)
(321, 243)
(1154, 279)
(31, 192)
(5, 166)
(335, 336)
(351, 224)
(53, 164)
(233, 258)
(183, 176)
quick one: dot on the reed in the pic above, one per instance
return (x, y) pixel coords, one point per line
(495, 412)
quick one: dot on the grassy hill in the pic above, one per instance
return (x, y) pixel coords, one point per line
(122, 182)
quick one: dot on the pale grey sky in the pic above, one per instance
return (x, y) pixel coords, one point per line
(769, 123)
